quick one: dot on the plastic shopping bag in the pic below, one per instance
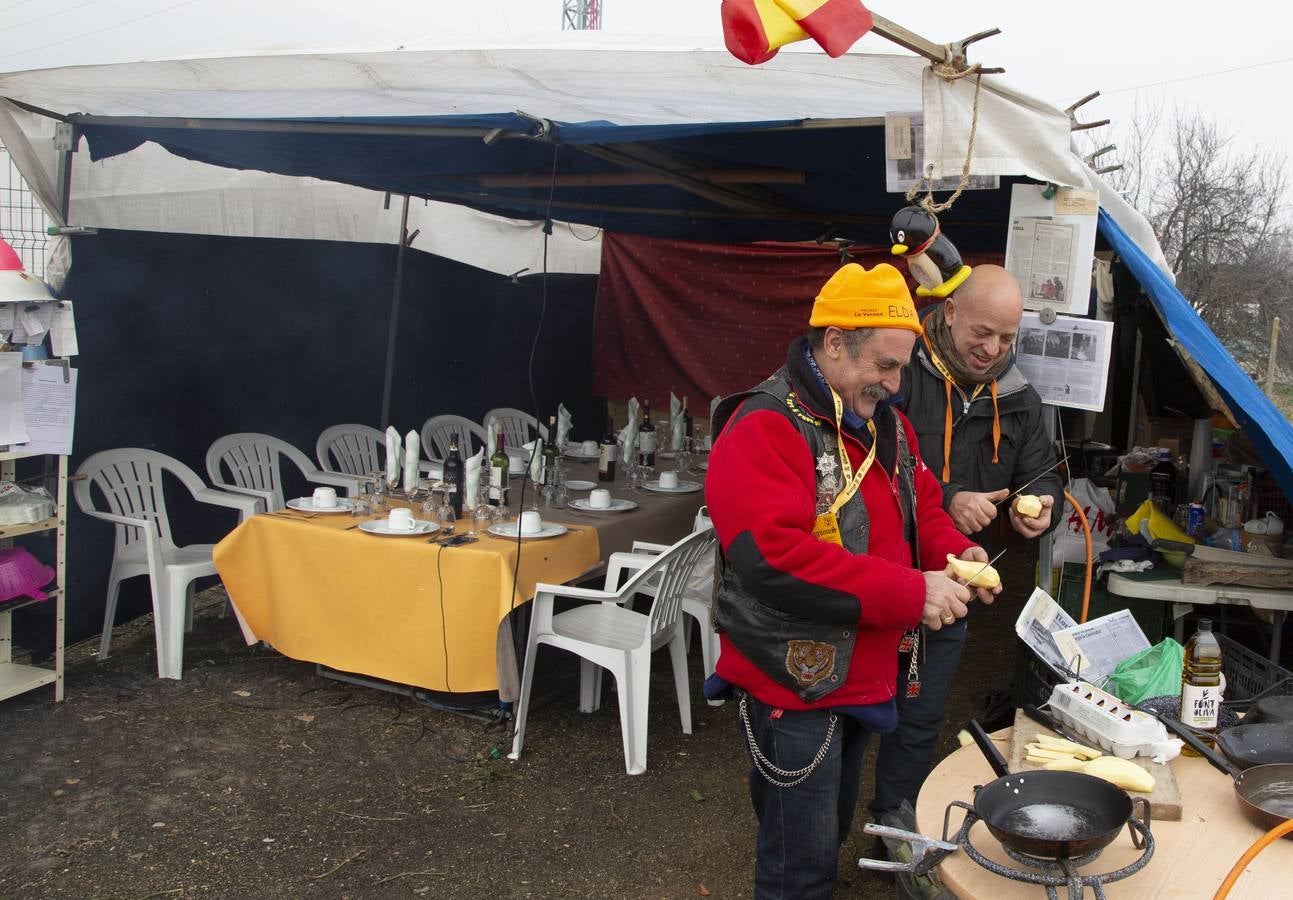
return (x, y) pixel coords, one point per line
(1067, 543)
(1155, 672)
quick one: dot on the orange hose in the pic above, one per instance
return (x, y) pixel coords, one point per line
(1265, 840)
(1086, 534)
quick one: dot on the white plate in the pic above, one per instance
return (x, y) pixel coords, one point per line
(306, 504)
(701, 467)
(684, 487)
(380, 526)
(581, 485)
(508, 530)
(667, 454)
(617, 505)
(578, 453)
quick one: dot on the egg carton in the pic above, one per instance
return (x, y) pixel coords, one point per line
(1104, 720)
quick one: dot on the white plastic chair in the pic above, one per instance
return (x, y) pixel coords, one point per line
(608, 635)
(351, 449)
(438, 430)
(697, 599)
(516, 425)
(130, 480)
(253, 462)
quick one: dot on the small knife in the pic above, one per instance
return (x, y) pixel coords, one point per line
(1040, 717)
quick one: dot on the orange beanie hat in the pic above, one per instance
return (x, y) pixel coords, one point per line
(866, 298)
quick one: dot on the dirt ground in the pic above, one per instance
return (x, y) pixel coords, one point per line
(255, 776)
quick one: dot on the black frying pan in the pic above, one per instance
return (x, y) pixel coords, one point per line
(1055, 815)
(1259, 744)
(1265, 793)
(1271, 709)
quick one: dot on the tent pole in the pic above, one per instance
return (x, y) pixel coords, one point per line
(1135, 392)
(395, 314)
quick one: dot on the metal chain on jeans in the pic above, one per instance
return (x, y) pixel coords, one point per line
(767, 768)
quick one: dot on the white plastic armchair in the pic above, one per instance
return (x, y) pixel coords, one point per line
(516, 425)
(608, 635)
(253, 464)
(697, 599)
(438, 430)
(351, 449)
(130, 481)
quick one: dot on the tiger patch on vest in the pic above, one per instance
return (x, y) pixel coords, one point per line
(810, 661)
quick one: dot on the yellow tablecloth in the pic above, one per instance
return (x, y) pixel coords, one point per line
(397, 608)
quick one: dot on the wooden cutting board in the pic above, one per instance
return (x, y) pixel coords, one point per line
(1164, 802)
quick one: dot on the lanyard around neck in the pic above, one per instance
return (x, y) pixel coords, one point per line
(852, 480)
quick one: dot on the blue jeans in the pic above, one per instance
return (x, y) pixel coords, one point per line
(904, 759)
(802, 828)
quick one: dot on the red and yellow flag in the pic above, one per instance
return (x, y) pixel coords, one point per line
(754, 29)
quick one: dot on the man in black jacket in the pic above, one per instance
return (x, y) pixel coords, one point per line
(979, 426)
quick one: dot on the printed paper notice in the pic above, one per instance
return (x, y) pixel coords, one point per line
(1036, 625)
(1102, 643)
(1066, 361)
(904, 146)
(48, 408)
(62, 330)
(1049, 248)
(12, 428)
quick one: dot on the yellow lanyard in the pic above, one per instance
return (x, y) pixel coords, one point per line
(852, 480)
(938, 364)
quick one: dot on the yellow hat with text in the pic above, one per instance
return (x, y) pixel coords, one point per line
(856, 297)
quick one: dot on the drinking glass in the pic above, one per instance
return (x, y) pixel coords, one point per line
(683, 458)
(444, 512)
(481, 518)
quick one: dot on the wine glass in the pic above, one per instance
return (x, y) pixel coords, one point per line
(683, 459)
(444, 514)
(481, 518)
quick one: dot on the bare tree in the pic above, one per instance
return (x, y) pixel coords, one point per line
(1219, 212)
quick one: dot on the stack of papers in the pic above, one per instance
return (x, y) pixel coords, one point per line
(1090, 651)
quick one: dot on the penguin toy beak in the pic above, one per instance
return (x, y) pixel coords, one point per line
(898, 249)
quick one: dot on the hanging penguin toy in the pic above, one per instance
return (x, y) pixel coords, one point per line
(931, 258)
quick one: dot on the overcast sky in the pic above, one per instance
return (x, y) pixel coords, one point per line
(1185, 54)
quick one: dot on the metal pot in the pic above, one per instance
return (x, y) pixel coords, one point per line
(1264, 793)
(1055, 815)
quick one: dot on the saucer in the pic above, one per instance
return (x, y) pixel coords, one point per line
(306, 504)
(380, 526)
(581, 485)
(617, 505)
(508, 530)
(684, 487)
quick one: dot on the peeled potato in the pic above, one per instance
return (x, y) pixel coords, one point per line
(975, 573)
(1028, 506)
(1122, 772)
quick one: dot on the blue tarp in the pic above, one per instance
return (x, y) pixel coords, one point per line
(1270, 432)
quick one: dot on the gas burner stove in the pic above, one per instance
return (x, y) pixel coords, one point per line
(1052, 873)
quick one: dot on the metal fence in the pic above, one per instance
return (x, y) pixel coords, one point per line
(22, 221)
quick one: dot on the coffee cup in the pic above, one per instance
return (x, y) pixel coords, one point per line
(324, 498)
(668, 480)
(531, 522)
(400, 519)
(600, 499)
(588, 448)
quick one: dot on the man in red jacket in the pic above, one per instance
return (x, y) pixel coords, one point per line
(835, 541)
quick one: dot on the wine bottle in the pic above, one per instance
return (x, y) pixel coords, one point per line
(454, 477)
(647, 442)
(606, 459)
(1201, 683)
(687, 424)
(550, 452)
(498, 474)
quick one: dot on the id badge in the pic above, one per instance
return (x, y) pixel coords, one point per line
(827, 528)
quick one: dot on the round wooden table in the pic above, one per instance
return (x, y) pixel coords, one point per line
(1191, 857)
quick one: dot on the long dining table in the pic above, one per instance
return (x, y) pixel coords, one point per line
(406, 609)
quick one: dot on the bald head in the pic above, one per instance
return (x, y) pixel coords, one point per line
(983, 316)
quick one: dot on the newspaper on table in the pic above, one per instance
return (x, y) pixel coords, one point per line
(1067, 361)
(1091, 650)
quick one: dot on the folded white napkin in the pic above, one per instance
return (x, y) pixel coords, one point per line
(471, 477)
(628, 435)
(676, 429)
(491, 436)
(412, 456)
(534, 453)
(563, 426)
(392, 456)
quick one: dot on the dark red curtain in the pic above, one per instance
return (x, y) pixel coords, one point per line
(704, 319)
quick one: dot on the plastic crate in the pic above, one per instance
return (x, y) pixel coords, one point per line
(1248, 674)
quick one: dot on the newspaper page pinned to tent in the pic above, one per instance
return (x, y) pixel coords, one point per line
(1067, 361)
(904, 157)
(1050, 245)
